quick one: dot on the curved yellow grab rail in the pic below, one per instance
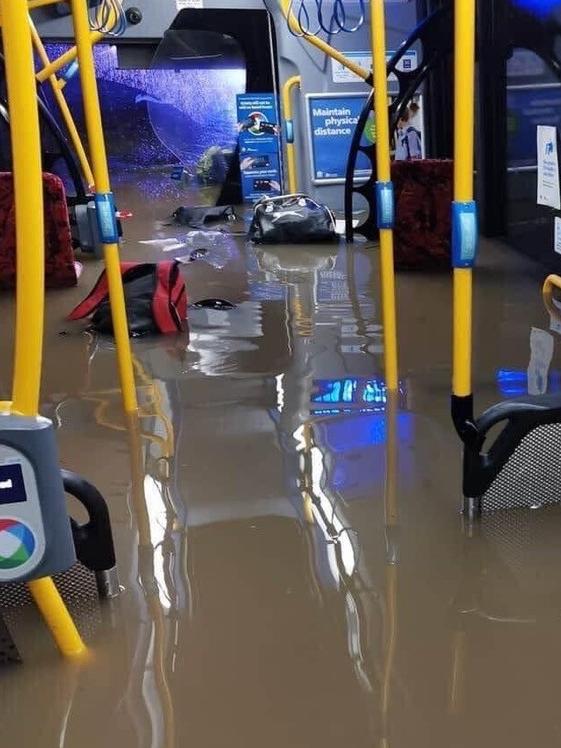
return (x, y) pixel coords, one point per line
(291, 167)
(28, 195)
(323, 46)
(551, 283)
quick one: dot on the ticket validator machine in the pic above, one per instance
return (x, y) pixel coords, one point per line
(35, 532)
(37, 537)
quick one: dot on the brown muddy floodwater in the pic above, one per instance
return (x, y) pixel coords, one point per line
(291, 549)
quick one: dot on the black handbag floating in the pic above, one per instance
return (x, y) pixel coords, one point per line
(155, 296)
(291, 219)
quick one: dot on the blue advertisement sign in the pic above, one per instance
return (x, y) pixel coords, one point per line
(528, 108)
(333, 120)
(260, 175)
(259, 140)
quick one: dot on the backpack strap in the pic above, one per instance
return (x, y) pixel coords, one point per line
(179, 297)
(98, 294)
(164, 310)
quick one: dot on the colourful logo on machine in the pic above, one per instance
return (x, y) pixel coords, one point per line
(17, 544)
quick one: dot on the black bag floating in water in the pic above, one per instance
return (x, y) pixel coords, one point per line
(155, 296)
(196, 218)
(291, 219)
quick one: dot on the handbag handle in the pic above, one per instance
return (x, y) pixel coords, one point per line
(280, 198)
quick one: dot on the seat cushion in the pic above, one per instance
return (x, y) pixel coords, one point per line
(60, 269)
(423, 196)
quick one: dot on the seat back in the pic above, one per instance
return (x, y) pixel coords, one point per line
(60, 269)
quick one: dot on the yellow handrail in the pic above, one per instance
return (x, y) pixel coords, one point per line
(551, 283)
(323, 46)
(291, 167)
(64, 109)
(28, 196)
(65, 59)
(463, 187)
(383, 160)
(94, 126)
(70, 55)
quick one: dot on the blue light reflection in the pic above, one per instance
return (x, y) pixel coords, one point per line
(371, 394)
(514, 382)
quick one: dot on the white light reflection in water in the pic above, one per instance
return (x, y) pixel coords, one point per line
(280, 393)
(338, 533)
(157, 515)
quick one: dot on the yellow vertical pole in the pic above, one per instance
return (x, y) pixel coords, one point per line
(385, 192)
(104, 198)
(291, 168)
(28, 195)
(56, 616)
(464, 93)
(465, 229)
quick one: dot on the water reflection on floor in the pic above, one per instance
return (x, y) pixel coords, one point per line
(295, 568)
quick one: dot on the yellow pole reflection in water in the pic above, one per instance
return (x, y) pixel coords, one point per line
(391, 510)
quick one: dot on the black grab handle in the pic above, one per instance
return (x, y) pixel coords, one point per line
(94, 540)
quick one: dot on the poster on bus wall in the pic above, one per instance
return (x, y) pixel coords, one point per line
(332, 121)
(259, 141)
(549, 191)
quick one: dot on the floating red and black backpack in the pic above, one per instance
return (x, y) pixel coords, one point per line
(155, 295)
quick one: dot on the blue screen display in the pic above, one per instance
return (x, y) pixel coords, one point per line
(12, 485)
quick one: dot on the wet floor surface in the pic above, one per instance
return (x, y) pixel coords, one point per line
(289, 539)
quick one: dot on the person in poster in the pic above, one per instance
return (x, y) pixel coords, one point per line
(409, 139)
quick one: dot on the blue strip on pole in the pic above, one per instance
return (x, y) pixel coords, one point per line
(106, 218)
(465, 234)
(289, 131)
(386, 205)
(70, 71)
